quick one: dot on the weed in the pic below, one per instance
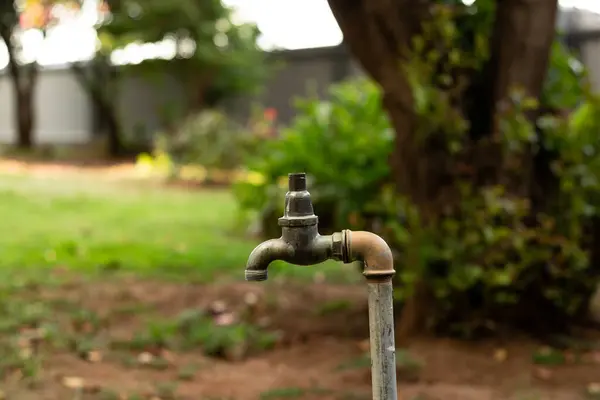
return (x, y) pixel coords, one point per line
(166, 390)
(187, 372)
(293, 393)
(407, 366)
(333, 306)
(548, 356)
(192, 329)
(354, 396)
(108, 394)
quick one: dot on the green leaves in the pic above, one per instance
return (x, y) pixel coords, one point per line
(212, 54)
(343, 144)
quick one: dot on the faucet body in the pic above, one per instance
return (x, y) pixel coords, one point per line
(301, 244)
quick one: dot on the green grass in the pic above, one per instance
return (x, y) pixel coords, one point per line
(90, 225)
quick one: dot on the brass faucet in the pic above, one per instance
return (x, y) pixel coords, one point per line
(301, 244)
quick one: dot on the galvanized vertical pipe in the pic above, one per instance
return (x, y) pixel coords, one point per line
(381, 331)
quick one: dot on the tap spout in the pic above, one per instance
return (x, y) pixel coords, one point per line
(263, 255)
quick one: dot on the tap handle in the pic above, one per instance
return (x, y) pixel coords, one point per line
(297, 182)
(298, 208)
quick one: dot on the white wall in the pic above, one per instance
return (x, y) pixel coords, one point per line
(591, 50)
(64, 113)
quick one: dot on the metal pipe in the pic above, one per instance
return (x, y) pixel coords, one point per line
(301, 244)
(381, 337)
(378, 262)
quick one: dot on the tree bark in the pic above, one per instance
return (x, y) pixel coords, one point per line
(95, 85)
(522, 36)
(24, 117)
(24, 79)
(378, 33)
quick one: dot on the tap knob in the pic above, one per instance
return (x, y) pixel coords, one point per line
(297, 182)
(298, 209)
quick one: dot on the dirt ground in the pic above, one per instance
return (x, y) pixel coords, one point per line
(320, 354)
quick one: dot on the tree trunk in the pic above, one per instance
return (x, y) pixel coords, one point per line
(113, 128)
(377, 33)
(24, 117)
(24, 79)
(520, 49)
(96, 86)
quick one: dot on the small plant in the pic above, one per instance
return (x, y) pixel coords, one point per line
(193, 329)
(187, 372)
(407, 366)
(293, 393)
(166, 390)
(549, 356)
(349, 133)
(334, 306)
(108, 394)
(208, 139)
(86, 321)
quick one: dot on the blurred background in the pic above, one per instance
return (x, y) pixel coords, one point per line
(145, 147)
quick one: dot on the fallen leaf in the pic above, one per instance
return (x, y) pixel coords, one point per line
(87, 327)
(26, 353)
(218, 307)
(319, 277)
(23, 342)
(73, 382)
(167, 356)
(264, 322)
(226, 319)
(364, 345)
(500, 355)
(145, 358)
(570, 358)
(593, 388)
(251, 298)
(542, 373)
(94, 356)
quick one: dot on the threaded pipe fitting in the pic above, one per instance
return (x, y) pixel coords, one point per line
(256, 275)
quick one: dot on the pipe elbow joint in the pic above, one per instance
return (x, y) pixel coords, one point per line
(263, 255)
(373, 251)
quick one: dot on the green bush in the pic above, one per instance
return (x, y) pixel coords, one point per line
(208, 139)
(343, 145)
(508, 243)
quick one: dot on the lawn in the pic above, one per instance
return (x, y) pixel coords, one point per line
(90, 224)
(127, 289)
(101, 280)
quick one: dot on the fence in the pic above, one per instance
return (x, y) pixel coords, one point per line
(65, 114)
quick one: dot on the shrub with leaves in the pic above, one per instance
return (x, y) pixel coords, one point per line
(513, 234)
(343, 144)
(208, 139)
(506, 243)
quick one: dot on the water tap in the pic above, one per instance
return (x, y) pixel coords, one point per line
(301, 244)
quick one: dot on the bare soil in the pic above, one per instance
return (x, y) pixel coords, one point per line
(323, 337)
(320, 354)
